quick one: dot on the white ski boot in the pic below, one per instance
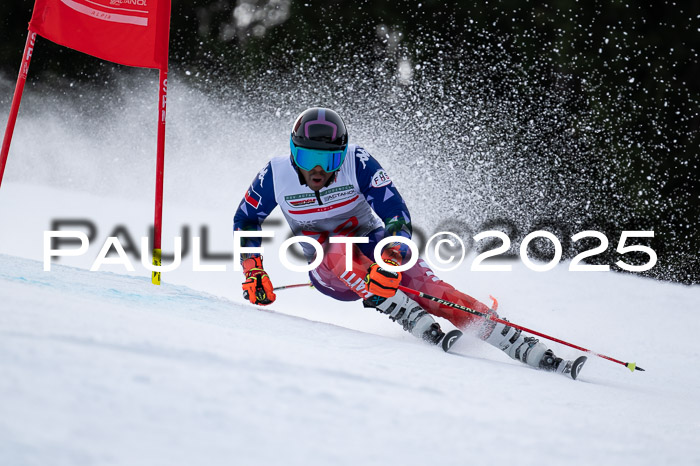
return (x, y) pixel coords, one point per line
(530, 351)
(413, 318)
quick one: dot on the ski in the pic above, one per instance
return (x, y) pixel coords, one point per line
(571, 369)
(450, 339)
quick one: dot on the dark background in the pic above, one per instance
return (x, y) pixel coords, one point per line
(601, 91)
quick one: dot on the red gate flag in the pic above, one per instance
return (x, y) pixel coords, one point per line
(129, 32)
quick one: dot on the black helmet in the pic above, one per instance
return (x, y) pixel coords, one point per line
(320, 128)
(319, 137)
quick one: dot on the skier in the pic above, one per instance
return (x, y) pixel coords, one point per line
(327, 187)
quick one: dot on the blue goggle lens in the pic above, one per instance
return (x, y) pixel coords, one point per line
(307, 159)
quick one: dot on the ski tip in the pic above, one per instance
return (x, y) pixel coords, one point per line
(494, 306)
(577, 365)
(450, 338)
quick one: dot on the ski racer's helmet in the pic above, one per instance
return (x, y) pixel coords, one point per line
(319, 137)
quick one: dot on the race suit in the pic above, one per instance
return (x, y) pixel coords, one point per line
(360, 200)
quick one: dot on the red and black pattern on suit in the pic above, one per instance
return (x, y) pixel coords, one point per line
(331, 279)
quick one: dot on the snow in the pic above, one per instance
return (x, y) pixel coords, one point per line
(105, 368)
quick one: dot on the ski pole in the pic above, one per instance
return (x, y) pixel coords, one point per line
(629, 365)
(284, 287)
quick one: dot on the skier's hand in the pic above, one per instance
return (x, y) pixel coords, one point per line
(382, 282)
(394, 253)
(257, 288)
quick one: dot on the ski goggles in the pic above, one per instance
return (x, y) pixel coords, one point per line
(328, 160)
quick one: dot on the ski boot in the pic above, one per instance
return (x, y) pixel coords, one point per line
(529, 350)
(566, 368)
(413, 318)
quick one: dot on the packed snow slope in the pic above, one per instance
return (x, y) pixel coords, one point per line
(105, 368)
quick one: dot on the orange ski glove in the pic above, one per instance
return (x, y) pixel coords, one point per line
(257, 288)
(382, 282)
